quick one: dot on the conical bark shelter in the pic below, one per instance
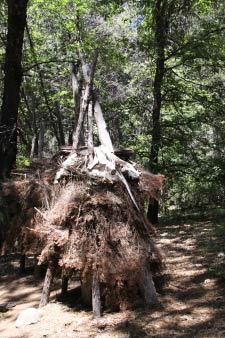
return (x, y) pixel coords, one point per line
(94, 218)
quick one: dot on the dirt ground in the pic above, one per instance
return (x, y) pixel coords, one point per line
(192, 302)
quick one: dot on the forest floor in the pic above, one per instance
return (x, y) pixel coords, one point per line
(192, 299)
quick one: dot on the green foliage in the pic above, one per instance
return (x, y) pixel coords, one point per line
(22, 162)
(192, 120)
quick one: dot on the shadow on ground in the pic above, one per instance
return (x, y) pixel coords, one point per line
(192, 289)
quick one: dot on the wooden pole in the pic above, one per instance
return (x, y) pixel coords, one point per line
(96, 297)
(148, 288)
(47, 284)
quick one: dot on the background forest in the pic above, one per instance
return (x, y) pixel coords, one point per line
(160, 76)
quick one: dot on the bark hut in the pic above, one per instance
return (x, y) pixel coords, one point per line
(94, 220)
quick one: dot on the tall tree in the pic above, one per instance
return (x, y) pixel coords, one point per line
(17, 10)
(161, 14)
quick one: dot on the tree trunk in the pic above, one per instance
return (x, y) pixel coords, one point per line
(33, 125)
(33, 146)
(160, 16)
(86, 96)
(60, 126)
(17, 10)
(41, 139)
(64, 288)
(90, 131)
(22, 263)
(153, 211)
(77, 91)
(96, 296)
(47, 284)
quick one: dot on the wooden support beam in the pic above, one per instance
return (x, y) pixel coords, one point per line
(96, 296)
(47, 284)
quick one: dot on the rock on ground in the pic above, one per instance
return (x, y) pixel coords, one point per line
(27, 317)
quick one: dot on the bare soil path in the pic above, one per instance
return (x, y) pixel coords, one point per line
(192, 300)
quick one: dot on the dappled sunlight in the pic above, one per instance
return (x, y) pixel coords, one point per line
(191, 300)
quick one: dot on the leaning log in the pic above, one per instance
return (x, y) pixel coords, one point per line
(47, 284)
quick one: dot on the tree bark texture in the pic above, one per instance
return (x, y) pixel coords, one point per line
(47, 284)
(17, 10)
(96, 296)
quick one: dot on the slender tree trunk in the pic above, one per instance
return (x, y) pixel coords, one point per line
(60, 126)
(47, 284)
(33, 125)
(41, 139)
(160, 41)
(90, 131)
(33, 146)
(22, 262)
(64, 288)
(17, 10)
(96, 296)
(77, 91)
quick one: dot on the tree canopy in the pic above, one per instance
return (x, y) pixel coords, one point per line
(160, 77)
